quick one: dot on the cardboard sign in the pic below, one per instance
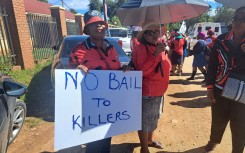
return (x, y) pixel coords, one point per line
(95, 106)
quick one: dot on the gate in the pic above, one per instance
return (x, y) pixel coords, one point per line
(7, 55)
(44, 35)
(72, 28)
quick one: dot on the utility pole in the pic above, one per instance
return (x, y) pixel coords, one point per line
(62, 1)
(105, 10)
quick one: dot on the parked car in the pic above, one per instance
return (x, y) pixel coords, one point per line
(61, 59)
(123, 36)
(12, 111)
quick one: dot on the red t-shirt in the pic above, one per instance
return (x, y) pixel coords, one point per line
(155, 69)
(210, 41)
(94, 58)
(178, 46)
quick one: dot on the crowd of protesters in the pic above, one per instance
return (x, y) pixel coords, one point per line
(155, 55)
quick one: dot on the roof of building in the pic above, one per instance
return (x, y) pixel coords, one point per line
(34, 6)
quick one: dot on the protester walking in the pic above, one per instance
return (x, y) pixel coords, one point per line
(199, 52)
(95, 53)
(210, 38)
(150, 58)
(227, 59)
(177, 53)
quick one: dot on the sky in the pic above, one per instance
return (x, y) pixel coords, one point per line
(81, 6)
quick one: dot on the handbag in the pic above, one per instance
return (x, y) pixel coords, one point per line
(234, 88)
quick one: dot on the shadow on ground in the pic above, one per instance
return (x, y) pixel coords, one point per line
(40, 96)
(75, 149)
(194, 103)
(186, 82)
(195, 150)
(115, 148)
(124, 147)
(189, 94)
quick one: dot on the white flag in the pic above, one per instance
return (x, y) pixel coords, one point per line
(183, 27)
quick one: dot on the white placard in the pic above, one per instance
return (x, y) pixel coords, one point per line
(95, 106)
(183, 27)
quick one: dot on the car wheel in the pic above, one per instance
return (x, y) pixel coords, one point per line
(18, 119)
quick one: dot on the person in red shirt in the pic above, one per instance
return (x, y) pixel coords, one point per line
(210, 38)
(95, 53)
(177, 48)
(149, 57)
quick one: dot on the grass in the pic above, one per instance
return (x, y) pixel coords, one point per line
(39, 97)
(42, 53)
(32, 122)
(25, 76)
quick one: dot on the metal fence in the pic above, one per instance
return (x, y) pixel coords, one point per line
(44, 35)
(72, 28)
(7, 55)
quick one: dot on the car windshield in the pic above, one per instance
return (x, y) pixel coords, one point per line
(118, 32)
(70, 43)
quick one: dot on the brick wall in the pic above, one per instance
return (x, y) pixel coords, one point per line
(59, 13)
(19, 32)
(80, 22)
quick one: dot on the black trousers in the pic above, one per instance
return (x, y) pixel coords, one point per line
(100, 146)
(223, 111)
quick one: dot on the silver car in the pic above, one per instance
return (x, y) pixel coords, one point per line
(12, 111)
(61, 59)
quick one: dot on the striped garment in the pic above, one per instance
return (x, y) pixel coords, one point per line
(225, 57)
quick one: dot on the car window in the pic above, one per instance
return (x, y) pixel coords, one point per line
(118, 32)
(216, 29)
(68, 45)
(119, 50)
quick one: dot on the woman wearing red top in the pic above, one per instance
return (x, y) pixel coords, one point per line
(149, 57)
(210, 38)
(95, 53)
(176, 54)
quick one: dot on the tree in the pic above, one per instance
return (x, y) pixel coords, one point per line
(112, 6)
(95, 5)
(73, 11)
(206, 17)
(115, 20)
(223, 14)
(45, 1)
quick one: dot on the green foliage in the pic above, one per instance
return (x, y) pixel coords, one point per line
(223, 14)
(173, 26)
(206, 17)
(32, 122)
(115, 21)
(42, 53)
(25, 76)
(73, 11)
(45, 1)
(6, 68)
(95, 5)
(112, 6)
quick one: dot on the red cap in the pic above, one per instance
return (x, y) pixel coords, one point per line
(92, 17)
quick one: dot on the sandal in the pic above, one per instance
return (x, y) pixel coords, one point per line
(156, 144)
